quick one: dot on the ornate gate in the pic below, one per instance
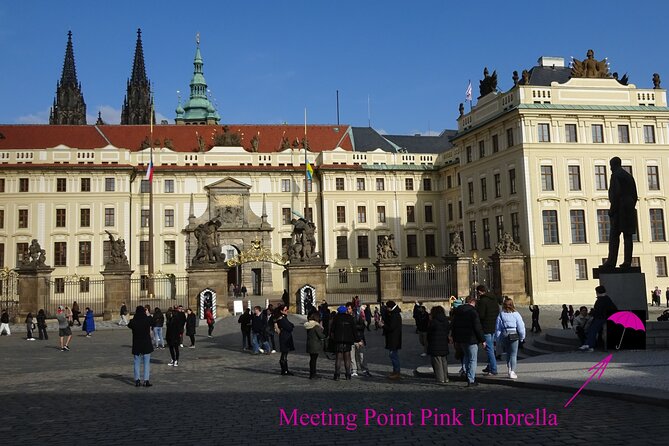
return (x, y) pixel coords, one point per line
(427, 282)
(9, 296)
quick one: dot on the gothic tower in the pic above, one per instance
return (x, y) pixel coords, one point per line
(198, 109)
(68, 107)
(137, 101)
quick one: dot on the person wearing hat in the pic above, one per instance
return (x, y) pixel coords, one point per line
(344, 336)
(64, 329)
(392, 330)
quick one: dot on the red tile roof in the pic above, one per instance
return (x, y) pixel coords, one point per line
(183, 138)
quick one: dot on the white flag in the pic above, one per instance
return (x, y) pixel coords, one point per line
(468, 93)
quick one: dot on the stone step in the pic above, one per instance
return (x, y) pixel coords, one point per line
(532, 350)
(569, 338)
(552, 347)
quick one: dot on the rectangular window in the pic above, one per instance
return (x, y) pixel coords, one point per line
(472, 234)
(84, 285)
(430, 244)
(341, 214)
(515, 227)
(470, 192)
(427, 183)
(512, 181)
(469, 154)
(169, 186)
(309, 184)
(381, 214)
(484, 189)
(342, 247)
(499, 227)
(449, 182)
(581, 269)
(412, 245)
(498, 185)
(110, 184)
(623, 134)
(360, 184)
(486, 233)
(428, 213)
(2, 184)
(23, 218)
(627, 169)
(600, 178)
(85, 218)
(450, 211)
(24, 185)
(84, 253)
(362, 214)
(309, 213)
(460, 209)
(60, 254)
(110, 217)
(657, 225)
(509, 137)
(286, 243)
(550, 223)
(85, 184)
(364, 275)
(577, 218)
(363, 247)
(408, 183)
(61, 184)
(380, 184)
(603, 225)
(339, 184)
(144, 218)
(2, 219)
(21, 253)
(495, 143)
(143, 282)
(59, 285)
(553, 270)
(544, 133)
(106, 251)
(143, 252)
(570, 133)
(547, 178)
(169, 218)
(169, 252)
(653, 178)
(481, 149)
(286, 216)
(145, 186)
(649, 134)
(661, 266)
(574, 178)
(411, 214)
(285, 185)
(597, 133)
(2, 258)
(61, 219)
(343, 275)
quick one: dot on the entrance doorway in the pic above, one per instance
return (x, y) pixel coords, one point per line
(235, 273)
(256, 277)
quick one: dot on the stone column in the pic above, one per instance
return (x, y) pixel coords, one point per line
(509, 271)
(460, 268)
(306, 273)
(390, 280)
(212, 277)
(33, 290)
(117, 291)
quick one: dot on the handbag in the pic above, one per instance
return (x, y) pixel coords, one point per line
(512, 335)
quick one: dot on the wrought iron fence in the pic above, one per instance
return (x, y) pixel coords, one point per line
(342, 285)
(9, 292)
(168, 291)
(427, 282)
(85, 291)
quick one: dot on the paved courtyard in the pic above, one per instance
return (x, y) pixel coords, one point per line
(220, 395)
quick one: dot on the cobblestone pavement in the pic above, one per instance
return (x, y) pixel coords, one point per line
(220, 395)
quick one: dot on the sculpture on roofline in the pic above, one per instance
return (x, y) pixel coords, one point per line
(590, 67)
(489, 83)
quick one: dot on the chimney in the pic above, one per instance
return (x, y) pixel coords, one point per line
(551, 61)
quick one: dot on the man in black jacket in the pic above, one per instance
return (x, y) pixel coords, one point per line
(392, 330)
(604, 307)
(467, 332)
(488, 309)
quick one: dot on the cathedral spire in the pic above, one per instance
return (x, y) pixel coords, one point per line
(137, 102)
(68, 107)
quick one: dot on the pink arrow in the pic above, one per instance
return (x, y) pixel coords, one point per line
(598, 368)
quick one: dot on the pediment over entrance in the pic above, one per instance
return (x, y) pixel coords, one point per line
(228, 184)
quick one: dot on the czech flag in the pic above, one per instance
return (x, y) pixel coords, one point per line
(149, 172)
(310, 171)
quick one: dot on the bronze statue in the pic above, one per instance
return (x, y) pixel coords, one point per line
(456, 249)
(622, 213)
(656, 80)
(590, 67)
(489, 83)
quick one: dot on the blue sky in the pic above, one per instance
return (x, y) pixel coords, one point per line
(265, 61)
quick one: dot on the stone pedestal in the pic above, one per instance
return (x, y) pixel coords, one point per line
(33, 290)
(627, 289)
(117, 291)
(460, 273)
(301, 274)
(390, 280)
(215, 278)
(509, 273)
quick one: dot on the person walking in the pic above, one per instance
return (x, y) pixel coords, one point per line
(75, 313)
(564, 317)
(488, 309)
(468, 332)
(359, 360)
(315, 337)
(89, 322)
(64, 330)
(209, 316)
(392, 330)
(244, 322)
(343, 336)
(41, 325)
(30, 326)
(437, 342)
(124, 314)
(4, 323)
(191, 327)
(510, 331)
(173, 338)
(141, 344)
(285, 329)
(604, 308)
(570, 313)
(536, 328)
(158, 323)
(368, 316)
(268, 317)
(258, 332)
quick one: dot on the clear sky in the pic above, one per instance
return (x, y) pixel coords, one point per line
(265, 61)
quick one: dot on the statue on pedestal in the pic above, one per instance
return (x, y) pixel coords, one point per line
(117, 255)
(507, 245)
(208, 245)
(456, 249)
(35, 257)
(303, 245)
(385, 250)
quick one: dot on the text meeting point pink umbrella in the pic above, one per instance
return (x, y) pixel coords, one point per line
(628, 320)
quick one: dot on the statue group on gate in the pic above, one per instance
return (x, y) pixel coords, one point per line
(386, 248)
(35, 256)
(117, 255)
(507, 245)
(208, 243)
(456, 248)
(303, 243)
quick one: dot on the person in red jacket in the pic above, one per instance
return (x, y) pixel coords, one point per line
(209, 316)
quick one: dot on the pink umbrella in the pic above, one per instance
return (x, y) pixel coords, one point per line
(628, 320)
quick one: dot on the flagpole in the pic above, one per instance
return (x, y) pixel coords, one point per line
(306, 170)
(151, 269)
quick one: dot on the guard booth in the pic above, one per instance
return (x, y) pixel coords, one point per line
(206, 299)
(306, 299)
